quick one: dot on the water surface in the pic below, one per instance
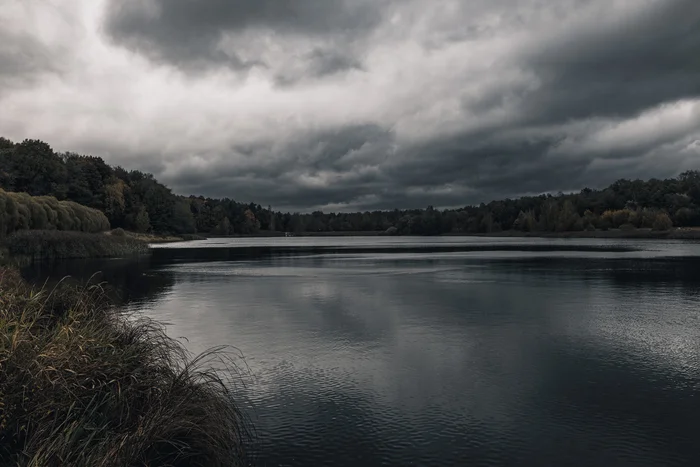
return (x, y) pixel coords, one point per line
(446, 351)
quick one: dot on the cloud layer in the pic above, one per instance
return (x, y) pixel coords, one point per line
(360, 104)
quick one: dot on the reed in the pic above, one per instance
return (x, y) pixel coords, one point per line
(83, 383)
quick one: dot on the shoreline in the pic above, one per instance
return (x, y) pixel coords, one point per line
(675, 234)
(53, 245)
(29, 246)
(639, 234)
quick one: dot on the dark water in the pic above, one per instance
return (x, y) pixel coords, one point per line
(443, 351)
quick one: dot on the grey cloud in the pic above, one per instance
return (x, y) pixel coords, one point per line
(365, 171)
(487, 167)
(328, 62)
(620, 68)
(187, 33)
(319, 63)
(532, 113)
(346, 162)
(342, 149)
(368, 172)
(440, 173)
(22, 59)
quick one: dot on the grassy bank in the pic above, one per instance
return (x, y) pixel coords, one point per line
(265, 234)
(155, 238)
(84, 384)
(52, 244)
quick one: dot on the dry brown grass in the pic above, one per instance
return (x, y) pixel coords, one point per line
(83, 384)
(54, 244)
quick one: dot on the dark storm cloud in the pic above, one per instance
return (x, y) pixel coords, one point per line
(363, 171)
(620, 67)
(315, 169)
(188, 33)
(363, 104)
(617, 70)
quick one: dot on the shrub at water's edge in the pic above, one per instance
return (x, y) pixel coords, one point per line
(51, 244)
(118, 232)
(192, 237)
(84, 384)
(155, 238)
(20, 211)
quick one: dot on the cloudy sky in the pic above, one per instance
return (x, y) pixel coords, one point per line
(359, 104)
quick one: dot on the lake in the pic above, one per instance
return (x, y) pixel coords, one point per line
(440, 351)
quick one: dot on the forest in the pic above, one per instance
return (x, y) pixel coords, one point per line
(136, 201)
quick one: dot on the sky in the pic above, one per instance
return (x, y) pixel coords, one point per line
(344, 105)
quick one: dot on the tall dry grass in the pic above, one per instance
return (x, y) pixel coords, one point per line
(54, 244)
(85, 384)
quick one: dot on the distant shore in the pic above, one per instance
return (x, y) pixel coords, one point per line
(677, 234)
(52, 245)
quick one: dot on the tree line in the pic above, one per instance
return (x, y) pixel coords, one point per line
(136, 201)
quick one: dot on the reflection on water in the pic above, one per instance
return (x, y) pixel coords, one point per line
(130, 281)
(473, 356)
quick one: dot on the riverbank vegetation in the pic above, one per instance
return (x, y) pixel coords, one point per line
(20, 211)
(84, 384)
(38, 245)
(155, 238)
(136, 201)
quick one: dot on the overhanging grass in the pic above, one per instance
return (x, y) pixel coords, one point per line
(192, 237)
(53, 244)
(155, 238)
(83, 384)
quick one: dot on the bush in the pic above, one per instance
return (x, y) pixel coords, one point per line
(51, 244)
(662, 222)
(119, 232)
(84, 384)
(627, 227)
(19, 211)
(686, 217)
(618, 218)
(192, 237)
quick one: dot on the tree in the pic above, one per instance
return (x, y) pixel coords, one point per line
(589, 220)
(687, 217)
(159, 203)
(115, 201)
(182, 221)
(224, 227)
(296, 223)
(662, 222)
(549, 216)
(142, 221)
(6, 170)
(569, 220)
(487, 223)
(525, 221)
(35, 168)
(620, 217)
